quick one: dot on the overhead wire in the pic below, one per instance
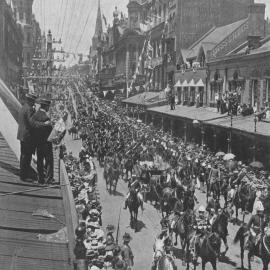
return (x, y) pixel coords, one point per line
(71, 18)
(90, 11)
(64, 18)
(77, 23)
(79, 18)
(59, 21)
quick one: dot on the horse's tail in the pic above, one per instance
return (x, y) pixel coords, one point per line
(239, 235)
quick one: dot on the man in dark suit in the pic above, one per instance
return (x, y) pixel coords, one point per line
(44, 148)
(25, 135)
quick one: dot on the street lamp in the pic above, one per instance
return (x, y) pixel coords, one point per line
(230, 135)
(255, 131)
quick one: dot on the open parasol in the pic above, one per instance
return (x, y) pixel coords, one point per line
(220, 154)
(256, 165)
(229, 156)
(231, 165)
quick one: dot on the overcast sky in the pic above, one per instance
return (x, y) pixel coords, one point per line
(68, 18)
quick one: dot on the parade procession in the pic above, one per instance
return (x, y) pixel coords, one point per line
(134, 134)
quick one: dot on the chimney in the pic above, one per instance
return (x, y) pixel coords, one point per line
(256, 29)
(256, 20)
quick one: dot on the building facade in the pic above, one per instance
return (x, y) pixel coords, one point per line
(11, 40)
(24, 15)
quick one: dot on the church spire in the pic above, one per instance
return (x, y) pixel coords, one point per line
(98, 30)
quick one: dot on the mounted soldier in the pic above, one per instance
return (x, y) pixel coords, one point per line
(162, 245)
(134, 185)
(256, 227)
(202, 227)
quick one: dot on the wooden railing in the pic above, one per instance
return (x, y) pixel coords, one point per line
(70, 209)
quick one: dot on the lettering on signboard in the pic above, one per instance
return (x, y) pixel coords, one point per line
(227, 42)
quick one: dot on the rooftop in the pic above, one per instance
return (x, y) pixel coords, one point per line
(146, 98)
(213, 37)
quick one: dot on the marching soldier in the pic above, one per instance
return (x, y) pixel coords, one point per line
(26, 136)
(44, 148)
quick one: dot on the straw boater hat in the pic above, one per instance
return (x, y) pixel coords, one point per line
(31, 96)
(92, 224)
(44, 101)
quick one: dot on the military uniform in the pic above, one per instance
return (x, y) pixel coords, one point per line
(44, 148)
(256, 226)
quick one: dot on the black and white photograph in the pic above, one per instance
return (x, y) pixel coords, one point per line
(134, 134)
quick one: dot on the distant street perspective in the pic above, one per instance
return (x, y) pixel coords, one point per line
(134, 134)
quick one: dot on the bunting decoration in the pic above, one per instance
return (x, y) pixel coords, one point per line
(113, 91)
(105, 93)
(122, 90)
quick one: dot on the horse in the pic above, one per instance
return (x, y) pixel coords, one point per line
(167, 201)
(189, 200)
(244, 198)
(220, 226)
(184, 228)
(261, 250)
(113, 176)
(129, 167)
(219, 188)
(133, 206)
(165, 263)
(209, 250)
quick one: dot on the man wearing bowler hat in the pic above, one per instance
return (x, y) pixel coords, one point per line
(44, 148)
(25, 134)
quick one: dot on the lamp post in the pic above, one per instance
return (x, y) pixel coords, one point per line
(230, 135)
(255, 131)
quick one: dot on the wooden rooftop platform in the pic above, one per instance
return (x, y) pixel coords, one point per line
(20, 248)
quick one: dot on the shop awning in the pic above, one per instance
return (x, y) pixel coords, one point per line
(200, 83)
(178, 84)
(185, 83)
(192, 83)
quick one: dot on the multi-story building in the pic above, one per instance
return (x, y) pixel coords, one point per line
(117, 53)
(11, 40)
(24, 15)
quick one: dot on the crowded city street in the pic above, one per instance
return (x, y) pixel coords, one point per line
(149, 223)
(134, 134)
(149, 219)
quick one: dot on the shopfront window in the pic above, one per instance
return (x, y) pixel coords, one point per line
(215, 88)
(201, 91)
(267, 91)
(192, 95)
(179, 94)
(254, 93)
(237, 86)
(185, 93)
